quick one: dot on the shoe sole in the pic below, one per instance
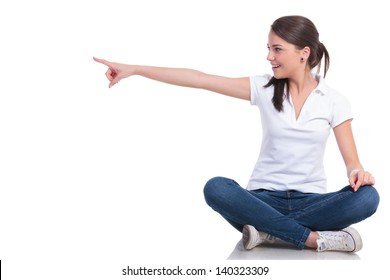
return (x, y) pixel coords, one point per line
(356, 238)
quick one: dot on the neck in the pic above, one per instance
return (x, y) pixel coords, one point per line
(302, 84)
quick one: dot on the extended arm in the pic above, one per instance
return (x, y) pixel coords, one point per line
(346, 143)
(234, 87)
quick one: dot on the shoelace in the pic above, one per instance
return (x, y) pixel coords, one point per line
(334, 241)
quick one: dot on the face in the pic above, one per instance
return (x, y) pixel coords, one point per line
(285, 58)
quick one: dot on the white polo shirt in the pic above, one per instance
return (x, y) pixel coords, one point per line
(292, 150)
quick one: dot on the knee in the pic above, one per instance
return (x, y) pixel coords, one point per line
(213, 186)
(216, 187)
(372, 199)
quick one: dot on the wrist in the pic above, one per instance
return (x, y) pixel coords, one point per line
(353, 172)
(135, 70)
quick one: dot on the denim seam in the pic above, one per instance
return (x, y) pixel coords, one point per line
(305, 236)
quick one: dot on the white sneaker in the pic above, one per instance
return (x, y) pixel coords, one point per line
(251, 237)
(347, 240)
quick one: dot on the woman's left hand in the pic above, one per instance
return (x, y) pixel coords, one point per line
(359, 178)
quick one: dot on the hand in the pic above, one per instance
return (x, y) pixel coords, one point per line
(116, 71)
(359, 178)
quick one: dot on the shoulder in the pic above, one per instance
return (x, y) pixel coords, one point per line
(257, 89)
(260, 80)
(338, 104)
(333, 94)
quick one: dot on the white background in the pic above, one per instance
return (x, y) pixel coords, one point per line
(94, 179)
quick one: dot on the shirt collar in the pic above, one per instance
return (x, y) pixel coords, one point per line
(322, 87)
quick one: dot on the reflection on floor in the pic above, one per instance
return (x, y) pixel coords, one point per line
(286, 253)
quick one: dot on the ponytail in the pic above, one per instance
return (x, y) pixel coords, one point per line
(323, 52)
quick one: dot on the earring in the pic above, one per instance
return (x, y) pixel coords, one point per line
(302, 59)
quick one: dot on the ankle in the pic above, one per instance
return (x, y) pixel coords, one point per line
(311, 241)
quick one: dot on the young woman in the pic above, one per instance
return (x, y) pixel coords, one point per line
(286, 198)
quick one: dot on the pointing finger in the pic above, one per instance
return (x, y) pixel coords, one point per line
(102, 61)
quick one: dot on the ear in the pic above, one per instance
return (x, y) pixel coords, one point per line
(305, 53)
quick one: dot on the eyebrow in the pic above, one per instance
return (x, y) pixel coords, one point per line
(275, 45)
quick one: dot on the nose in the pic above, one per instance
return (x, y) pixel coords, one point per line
(270, 56)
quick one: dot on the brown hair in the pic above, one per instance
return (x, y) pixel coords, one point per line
(301, 32)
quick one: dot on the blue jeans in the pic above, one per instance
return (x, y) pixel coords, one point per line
(289, 215)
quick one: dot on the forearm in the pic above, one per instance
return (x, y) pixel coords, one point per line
(234, 87)
(347, 146)
(351, 159)
(174, 76)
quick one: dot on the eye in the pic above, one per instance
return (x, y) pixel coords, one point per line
(277, 49)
